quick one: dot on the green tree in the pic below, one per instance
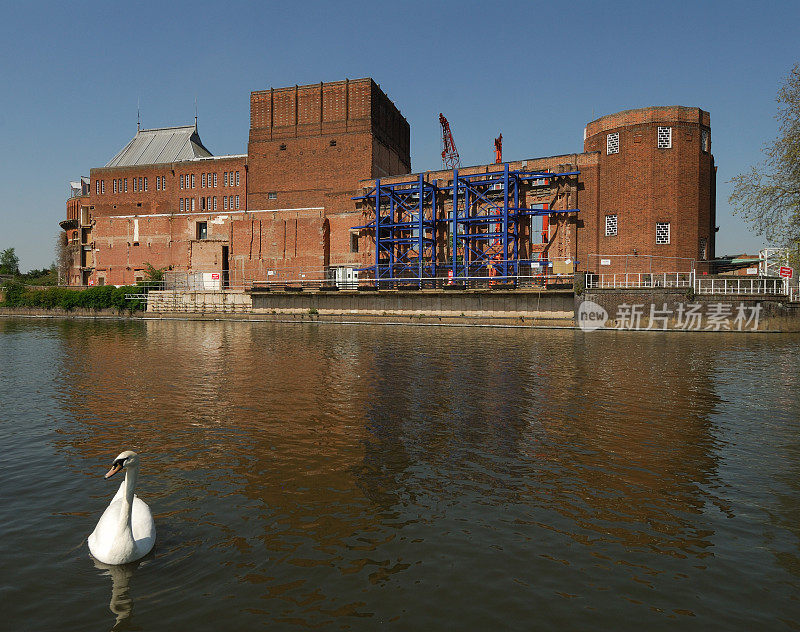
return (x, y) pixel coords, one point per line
(768, 195)
(9, 262)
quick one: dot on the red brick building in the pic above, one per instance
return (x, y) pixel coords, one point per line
(641, 195)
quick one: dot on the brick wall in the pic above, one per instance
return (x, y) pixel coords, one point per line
(643, 184)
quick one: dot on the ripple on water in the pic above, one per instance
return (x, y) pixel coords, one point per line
(343, 477)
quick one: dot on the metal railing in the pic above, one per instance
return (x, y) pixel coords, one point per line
(700, 284)
(624, 280)
(741, 286)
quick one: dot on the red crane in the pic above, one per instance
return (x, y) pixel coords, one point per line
(498, 149)
(450, 158)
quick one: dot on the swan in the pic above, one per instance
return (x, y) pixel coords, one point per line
(126, 531)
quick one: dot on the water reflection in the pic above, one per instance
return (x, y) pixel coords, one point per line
(330, 476)
(121, 604)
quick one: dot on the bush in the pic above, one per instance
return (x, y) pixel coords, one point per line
(96, 298)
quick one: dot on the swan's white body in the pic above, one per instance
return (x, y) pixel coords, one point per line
(126, 531)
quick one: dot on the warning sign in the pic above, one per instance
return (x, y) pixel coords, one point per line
(786, 272)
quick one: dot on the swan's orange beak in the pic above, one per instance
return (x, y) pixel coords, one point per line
(114, 469)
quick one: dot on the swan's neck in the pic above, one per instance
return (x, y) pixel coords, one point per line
(128, 490)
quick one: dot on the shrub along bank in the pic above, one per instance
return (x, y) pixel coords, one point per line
(99, 297)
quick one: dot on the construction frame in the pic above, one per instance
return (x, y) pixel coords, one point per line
(416, 237)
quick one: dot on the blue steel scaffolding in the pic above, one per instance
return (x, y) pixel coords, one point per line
(482, 228)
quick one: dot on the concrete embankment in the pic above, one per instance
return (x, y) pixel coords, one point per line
(681, 309)
(554, 307)
(659, 308)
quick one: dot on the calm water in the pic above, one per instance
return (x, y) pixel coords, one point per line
(345, 477)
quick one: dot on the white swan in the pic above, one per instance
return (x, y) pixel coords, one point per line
(126, 531)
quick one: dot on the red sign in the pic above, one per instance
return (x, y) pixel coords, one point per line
(215, 276)
(786, 273)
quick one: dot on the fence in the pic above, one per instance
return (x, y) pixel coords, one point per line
(741, 286)
(641, 280)
(700, 284)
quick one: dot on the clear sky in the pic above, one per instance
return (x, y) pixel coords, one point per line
(536, 71)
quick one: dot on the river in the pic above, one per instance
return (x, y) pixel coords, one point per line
(345, 477)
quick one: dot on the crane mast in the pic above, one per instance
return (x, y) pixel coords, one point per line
(450, 158)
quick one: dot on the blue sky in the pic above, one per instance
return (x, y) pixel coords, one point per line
(537, 72)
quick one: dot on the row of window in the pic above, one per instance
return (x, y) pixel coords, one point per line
(663, 140)
(662, 229)
(209, 180)
(229, 202)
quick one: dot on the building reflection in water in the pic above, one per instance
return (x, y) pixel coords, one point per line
(347, 452)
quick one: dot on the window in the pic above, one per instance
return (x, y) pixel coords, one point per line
(125, 180)
(664, 137)
(96, 187)
(612, 143)
(202, 204)
(193, 181)
(215, 180)
(134, 185)
(662, 232)
(353, 242)
(703, 254)
(225, 179)
(237, 201)
(225, 202)
(230, 200)
(215, 202)
(237, 181)
(181, 182)
(203, 181)
(158, 183)
(272, 195)
(704, 140)
(283, 147)
(208, 179)
(192, 204)
(333, 143)
(145, 183)
(140, 184)
(115, 184)
(611, 225)
(181, 203)
(202, 230)
(163, 183)
(102, 186)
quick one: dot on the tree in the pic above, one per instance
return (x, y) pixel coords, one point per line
(768, 195)
(9, 262)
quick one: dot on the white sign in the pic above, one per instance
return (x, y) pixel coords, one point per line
(751, 271)
(605, 262)
(270, 272)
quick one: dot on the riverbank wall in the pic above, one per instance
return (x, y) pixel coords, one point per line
(674, 309)
(683, 310)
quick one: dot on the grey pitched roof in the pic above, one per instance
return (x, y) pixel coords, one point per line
(166, 144)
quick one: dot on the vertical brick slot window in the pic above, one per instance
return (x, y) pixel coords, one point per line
(612, 143)
(664, 137)
(611, 225)
(662, 233)
(703, 255)
(704, 140)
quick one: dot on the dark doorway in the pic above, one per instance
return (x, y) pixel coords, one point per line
(225, 273)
